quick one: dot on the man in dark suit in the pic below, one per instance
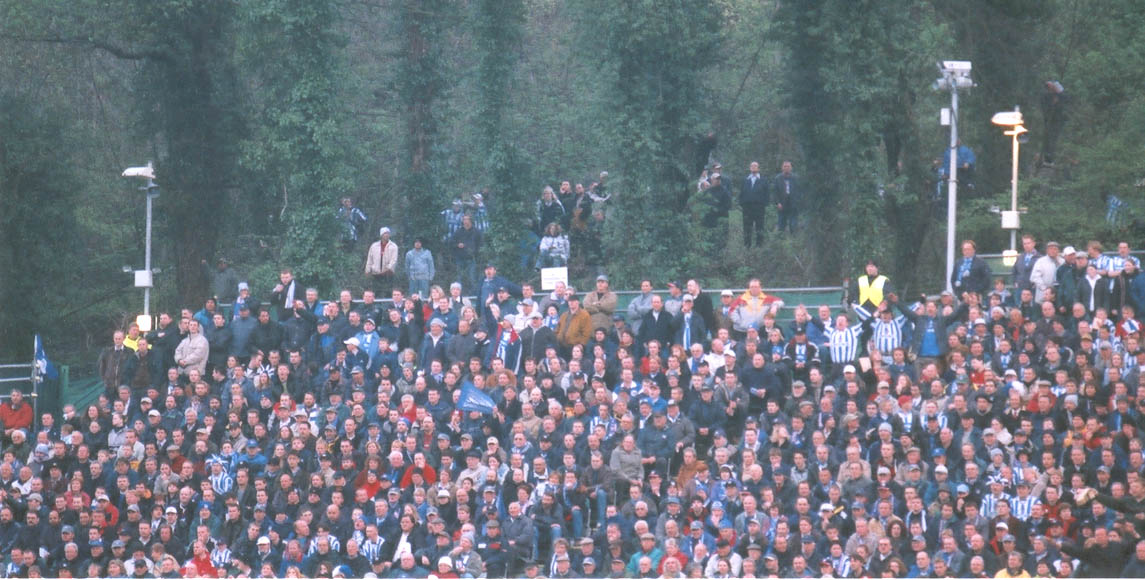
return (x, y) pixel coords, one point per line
(1025, 265)
(788, 197)
(656, 324)
(971, 274)
(753, 199)
(688, 328)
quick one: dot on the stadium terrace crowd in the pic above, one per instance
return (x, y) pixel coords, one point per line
(994, 431)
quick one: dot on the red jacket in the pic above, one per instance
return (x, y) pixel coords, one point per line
(206, 569)
(13, 418)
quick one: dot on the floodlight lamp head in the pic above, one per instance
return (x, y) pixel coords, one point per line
(147, 171)
(955, 74)
(1008, 118)
(1009, 258)
(957, 67)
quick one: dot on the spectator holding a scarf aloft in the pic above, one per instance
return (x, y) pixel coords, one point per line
(506, 344)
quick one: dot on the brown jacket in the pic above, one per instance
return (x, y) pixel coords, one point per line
(574, 328)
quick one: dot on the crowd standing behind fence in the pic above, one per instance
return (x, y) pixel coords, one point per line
(993, 431)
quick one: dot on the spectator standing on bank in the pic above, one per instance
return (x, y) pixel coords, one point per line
(594, 241)
(1054, 105)
(419, 268)
(465, 243)
(478, 209)
(549, 210)
(718, 203)
(565, 197)
(788, 196)
(554, 248)
(753, 200)
(382, 262)
(352, 220)
(224, 280)
(451, 218)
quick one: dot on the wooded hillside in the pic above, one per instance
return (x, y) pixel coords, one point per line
(261, 114)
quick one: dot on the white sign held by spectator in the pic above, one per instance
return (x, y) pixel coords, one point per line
(550, 277)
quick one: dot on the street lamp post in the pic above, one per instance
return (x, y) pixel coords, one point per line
(955, 75)
(143, 278)
(1011, 220)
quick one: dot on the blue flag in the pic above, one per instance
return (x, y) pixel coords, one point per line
(472, 399)
(44, 367)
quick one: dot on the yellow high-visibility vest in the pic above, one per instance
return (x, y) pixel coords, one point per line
(871, 292)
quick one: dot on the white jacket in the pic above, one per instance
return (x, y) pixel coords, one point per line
(1044, 274)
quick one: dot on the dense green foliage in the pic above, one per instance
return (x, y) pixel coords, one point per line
(38, 187)
(498, 31)
(260, 114)
(297, 149)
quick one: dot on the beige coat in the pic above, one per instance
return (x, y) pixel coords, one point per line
(600, 308)
(379, 262)
(192, 351)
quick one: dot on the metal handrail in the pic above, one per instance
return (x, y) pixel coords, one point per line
(713, 292)
(1080, 249)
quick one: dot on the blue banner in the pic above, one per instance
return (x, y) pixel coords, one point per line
(472, 399)
(44, 367)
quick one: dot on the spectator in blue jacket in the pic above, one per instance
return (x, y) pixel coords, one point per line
(420, 268)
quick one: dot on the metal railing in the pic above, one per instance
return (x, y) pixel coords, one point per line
(629, 294)
(1138, 253)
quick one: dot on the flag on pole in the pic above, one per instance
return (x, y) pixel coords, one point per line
(472, 399)
(44, 367)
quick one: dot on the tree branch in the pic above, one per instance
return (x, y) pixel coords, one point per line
(106, 46)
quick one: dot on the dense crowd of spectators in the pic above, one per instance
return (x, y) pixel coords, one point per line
(992, 431)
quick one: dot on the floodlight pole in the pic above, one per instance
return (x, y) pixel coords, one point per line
(952, 186)
(147, 189)
(955, 73)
